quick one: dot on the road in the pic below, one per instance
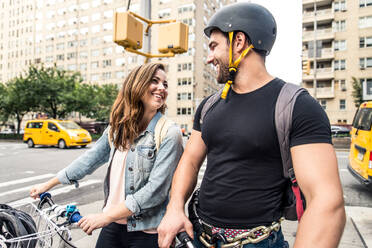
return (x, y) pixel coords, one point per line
(22, 167)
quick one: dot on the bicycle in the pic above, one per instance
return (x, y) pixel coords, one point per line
(183, 240)
(52, 223)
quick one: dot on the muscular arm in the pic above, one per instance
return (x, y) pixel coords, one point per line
(184, 181)
(317, 174)
(185, 177)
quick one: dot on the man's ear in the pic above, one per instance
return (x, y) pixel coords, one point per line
(240, 42)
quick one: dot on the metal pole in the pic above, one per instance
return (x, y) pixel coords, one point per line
(315, 48)
(146, 12)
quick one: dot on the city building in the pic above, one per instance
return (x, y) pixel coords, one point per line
(339, 33)
(77, 35)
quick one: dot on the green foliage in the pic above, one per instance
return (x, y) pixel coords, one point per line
(20, 99)
(4, 115)
(103, 99)
(357, 92)
(11, 136)
(56, 90)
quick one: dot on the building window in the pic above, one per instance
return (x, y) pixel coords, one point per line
(95, 53)
(72, 44)
(339, 26)
(106, 63)
(94, 65)
(95, 41)
(83, 43)
(365, 22)
(71, 55)
(164, 13)
(365, 63)
(341, 84)
(184, 96)
(94, 77)
(49, 48)
(107, 50)
(84, 55)
(342, 104)
(106, 75)
(323, 103)
(340, 65)
(340, 45)
(184, 81)
(60, 46)
(367, 87)
(365, 41)
(184, 111)
(49, 59)
(83, 67)
(340, 6)
(186, 8)
(365, 3)
(71, 67)
(60, 57)
(119, 74)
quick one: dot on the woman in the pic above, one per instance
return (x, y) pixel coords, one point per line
(138, 178)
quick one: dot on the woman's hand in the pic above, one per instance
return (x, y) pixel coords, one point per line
(38, 189)
(92, 222)
(43, 187)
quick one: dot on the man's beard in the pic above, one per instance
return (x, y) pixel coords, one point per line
(223, 73)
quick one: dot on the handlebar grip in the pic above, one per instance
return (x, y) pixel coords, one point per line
(45, 194)
(75, 217)
(184, 238)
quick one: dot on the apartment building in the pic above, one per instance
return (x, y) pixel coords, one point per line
(337, 42)
(77, 36)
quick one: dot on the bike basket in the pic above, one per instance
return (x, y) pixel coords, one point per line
(49, 232)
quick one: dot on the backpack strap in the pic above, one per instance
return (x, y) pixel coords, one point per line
(283, 123)
(209, 103)
(161, 129)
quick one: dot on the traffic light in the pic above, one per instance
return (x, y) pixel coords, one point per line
(173, 37)
(306, 67)
(128, 31)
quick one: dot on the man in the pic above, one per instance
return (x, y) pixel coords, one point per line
(243, 183)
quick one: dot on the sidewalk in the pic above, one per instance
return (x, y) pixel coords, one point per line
(357, 233)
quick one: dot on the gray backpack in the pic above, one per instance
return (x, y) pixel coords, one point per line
(294, 201)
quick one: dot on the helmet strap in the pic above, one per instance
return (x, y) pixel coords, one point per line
(233, 65)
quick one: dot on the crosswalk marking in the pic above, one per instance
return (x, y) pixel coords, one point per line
(25, 180)
(58, 191)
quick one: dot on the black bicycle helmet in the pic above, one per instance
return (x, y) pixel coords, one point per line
(253, 19)
(16, 223)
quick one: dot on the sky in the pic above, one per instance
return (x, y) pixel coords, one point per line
(284, 60)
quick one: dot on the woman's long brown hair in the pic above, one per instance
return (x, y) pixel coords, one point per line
(128, 109)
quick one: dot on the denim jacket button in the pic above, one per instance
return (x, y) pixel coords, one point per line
(133, 149)
(131, 188)
(134, 225)
(130, 169)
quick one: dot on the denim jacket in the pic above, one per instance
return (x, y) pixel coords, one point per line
(148, 173)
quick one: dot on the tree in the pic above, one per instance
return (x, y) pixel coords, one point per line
(103, 98)
(357, 92)
(56, 90)
(20, 99)
(4, 115)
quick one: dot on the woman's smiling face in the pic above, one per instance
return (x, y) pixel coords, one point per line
(157, 92)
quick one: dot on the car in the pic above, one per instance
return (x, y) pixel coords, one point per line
(360, 156)
(340, 130)
(8, 131)
(53, 132)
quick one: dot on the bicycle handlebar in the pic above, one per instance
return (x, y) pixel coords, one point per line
(70, 212)
(185, 239)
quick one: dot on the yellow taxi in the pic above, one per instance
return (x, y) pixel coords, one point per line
(360, 157)
(55, 132)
